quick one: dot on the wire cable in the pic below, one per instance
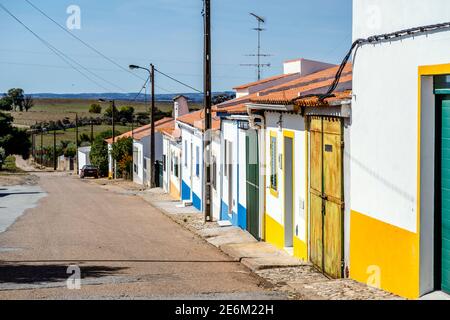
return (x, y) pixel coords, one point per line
(82, 41)
(142, 89)
(178, 81)
(52, 48)
(372, 40)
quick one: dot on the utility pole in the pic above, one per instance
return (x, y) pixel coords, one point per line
(152, 130)
(92, 131)
(207, 105)
(42, 146)
(55, 166)
(113, 112)
(76, 139)
(151, 72)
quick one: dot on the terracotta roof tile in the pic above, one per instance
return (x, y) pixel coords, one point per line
(319, 81)
(196, 119)
(255, 83)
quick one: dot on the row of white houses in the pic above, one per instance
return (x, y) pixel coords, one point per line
(355, 183)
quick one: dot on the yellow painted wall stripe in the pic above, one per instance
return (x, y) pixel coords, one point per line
(380, 249)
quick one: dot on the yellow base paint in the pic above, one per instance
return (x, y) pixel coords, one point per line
(274, 232)
(275, 235)
(174, 192)
(300, 249)
(384, 254)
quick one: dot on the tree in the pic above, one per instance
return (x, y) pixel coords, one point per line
(28, 103)
(108, 113)
(126, 114)
(95, 108)
(70, 151)
(6, 103)
(220, 98)
(84, 138)
(99, 151)
(17, 97)
(2, 157)
(13, 140)
(121, 151)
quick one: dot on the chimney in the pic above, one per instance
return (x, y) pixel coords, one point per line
(180, 106)
(305, 67)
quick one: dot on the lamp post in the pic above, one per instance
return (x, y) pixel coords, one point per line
(151, 72)
(113, 110)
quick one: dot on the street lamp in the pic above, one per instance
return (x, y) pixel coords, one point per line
(113, 110)
(151, 72)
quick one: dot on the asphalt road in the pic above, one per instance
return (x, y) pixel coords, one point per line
(125, 249)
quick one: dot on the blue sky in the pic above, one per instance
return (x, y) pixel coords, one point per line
(168, 33)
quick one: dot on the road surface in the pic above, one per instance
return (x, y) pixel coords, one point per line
(125, 249)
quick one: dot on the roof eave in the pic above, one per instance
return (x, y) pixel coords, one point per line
(273, 107)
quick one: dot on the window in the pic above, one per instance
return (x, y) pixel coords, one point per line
(214, 172)
(185, 153)
(273, 163)
(164, 162)
(176, 167)
(225, 162)
(197, 161)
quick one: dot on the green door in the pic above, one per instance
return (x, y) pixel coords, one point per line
(252, 183)
(445, 192)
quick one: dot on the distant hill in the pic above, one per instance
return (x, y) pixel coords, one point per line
(193, 97)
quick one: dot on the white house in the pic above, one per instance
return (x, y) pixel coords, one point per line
(243, 145)
(172, 149)
(399, 162)
(141, 150)
(83, 157)
(303, 170)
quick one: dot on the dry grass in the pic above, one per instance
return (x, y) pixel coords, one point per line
(58, 109)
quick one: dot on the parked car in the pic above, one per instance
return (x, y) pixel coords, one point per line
(89, 171)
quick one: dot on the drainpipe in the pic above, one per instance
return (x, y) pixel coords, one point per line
(262, 166)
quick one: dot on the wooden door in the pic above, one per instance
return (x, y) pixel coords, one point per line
(326, 195)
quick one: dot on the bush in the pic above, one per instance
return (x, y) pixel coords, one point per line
(122, 151)
(99, 152)
(70, 151)
(95, 108)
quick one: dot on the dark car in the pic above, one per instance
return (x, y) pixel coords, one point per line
(89, 171)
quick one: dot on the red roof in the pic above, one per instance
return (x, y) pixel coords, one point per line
(196, 119)
(262, 81)
(319, 81)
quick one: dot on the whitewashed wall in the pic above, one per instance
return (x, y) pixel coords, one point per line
(188, 171)
(216, 193)
(138, 161)
(274, 205)
(385, 87)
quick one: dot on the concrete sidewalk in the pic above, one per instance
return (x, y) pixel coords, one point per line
(298, 279)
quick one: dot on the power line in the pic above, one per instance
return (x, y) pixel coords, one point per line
(52, 48)
(82, 41)
(178, 81)
(373, 40)
(142, 89)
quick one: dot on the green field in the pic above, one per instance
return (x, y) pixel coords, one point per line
(58, 109)
(70, 134)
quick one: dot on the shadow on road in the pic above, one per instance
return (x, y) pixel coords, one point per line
(2, 195)
(18, 273)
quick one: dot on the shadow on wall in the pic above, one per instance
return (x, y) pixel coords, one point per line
(31, 274)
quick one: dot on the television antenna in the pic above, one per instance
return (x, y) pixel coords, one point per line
(258, 55)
